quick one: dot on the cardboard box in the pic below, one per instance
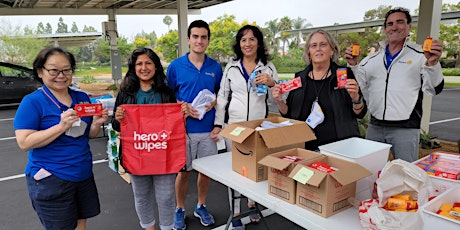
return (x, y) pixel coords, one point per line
(372, 155)
(434, 221)
(279, 184)
(249, 145)
(326, 194)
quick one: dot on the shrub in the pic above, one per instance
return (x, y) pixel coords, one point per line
(451, 72)
(288, 65)
(88, 79)
(427, 141)
(112, 87)
(447, 63)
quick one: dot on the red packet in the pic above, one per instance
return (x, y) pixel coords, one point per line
(86, 110)
(341, 78)
(321, 166)
(289, 85)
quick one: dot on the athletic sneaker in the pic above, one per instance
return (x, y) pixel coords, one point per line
(206, 218)
(179, 219)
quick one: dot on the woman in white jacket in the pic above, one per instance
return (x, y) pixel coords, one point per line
(242, 98)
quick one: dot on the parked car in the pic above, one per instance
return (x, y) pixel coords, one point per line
(15, 82)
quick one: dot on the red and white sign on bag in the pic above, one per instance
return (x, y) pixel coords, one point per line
(153, 139)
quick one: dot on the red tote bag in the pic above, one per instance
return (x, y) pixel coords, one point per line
(153, 139)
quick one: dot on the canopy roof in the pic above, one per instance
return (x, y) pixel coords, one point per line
(82, 7)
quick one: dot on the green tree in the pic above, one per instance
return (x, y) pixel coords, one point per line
(297, 24)
(168, 21)
(62, 27)
(370, 37)
(74, 28)
(285, 24)
(89, 29)
(450, 35)
(141, 42)
(16, 46)
(271, 36)
(40, 28)
(102, 50)
(152, 37)
(29, 31)
(167, 45)
(378, 13)
(223, 33)
(48, 28)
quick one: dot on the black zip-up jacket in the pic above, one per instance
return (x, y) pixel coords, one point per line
(344, 116)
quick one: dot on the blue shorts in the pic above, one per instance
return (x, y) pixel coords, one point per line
(59, 203)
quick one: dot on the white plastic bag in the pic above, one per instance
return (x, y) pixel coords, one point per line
(396, 177)
(204, 97)
(401, 176)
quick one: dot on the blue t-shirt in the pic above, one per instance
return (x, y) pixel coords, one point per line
(187, 81)
(66, 157)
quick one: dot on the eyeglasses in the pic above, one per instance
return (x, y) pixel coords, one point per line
(322, 45)
(56, 72)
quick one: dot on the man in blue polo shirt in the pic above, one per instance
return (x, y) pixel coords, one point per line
(187, 76)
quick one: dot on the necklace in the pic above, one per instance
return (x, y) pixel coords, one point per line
(322, 83)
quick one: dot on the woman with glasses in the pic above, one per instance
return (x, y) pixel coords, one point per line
(328, 104)
(59, 171)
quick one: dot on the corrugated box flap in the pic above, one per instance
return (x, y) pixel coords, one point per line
(315, 179)
(236, 132)
(350, 174)
(275, 162)
(287, 135)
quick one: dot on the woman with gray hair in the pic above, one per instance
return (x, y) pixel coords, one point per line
(329, 100)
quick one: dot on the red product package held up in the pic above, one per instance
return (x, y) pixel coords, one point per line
(286, 86)
(88, 110)
(341, 78)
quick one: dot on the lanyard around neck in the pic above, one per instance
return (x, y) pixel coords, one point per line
(322, 83)
(52, 100)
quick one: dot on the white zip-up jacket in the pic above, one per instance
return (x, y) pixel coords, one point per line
(236, 101)
(393, 94)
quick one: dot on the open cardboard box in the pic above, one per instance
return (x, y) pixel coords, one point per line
(249, 145)
(326, 194)
(279, 184)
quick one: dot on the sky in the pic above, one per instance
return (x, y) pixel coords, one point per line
(318, 13)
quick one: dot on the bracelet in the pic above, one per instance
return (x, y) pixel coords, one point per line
(97, 125)
(362, 106)
(359, 101)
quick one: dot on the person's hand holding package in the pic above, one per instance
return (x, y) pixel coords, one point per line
(203, 102)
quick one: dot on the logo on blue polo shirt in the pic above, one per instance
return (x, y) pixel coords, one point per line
(210, 74)
(405, 62)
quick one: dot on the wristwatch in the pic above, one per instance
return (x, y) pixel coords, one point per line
(359, 101)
